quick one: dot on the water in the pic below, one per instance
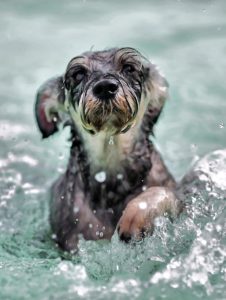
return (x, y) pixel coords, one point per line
(184, 259)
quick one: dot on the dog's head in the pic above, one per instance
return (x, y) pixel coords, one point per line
(107, 90)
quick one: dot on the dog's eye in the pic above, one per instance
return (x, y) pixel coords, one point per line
(79, 75)
(128, 68)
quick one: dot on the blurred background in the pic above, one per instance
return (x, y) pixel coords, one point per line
(186, 39)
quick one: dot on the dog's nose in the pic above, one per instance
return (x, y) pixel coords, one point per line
(105, 89)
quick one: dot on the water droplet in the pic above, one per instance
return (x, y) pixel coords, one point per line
(54, 119)
(119, 176)
(63, 267)
(209, 227)
(175, 285)
(193, 147)
(54, 236)
(100, 176)
(218, 228)
(97, 233)
(76, 209)
(90, 225)
(144, 187)
(143, 205)
(61, 156)
(73, 170)
(101, 234)
(221, 125)
(111, 141)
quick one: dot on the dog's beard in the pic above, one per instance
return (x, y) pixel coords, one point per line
(113, 116)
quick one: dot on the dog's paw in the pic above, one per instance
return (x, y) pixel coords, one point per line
(136, 222)
(138, 217)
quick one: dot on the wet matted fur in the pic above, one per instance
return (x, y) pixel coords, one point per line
(111, 99)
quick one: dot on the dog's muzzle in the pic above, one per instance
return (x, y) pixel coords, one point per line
(107, 106)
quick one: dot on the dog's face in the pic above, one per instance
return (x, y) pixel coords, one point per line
(104, 89)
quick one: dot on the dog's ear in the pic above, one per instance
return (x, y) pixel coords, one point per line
(155, 86)
(155, 92)
(49, 106)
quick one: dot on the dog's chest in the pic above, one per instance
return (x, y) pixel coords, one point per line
(106, 152)
(112, 168)
(108, 189)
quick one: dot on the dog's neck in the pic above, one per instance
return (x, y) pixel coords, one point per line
(106, 151)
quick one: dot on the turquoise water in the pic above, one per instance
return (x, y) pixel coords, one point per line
(187, 39)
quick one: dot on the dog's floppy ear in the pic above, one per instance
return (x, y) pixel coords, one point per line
(155, 92)
(155, 86)
(49, 106)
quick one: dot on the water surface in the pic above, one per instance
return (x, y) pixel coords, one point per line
(187, 39)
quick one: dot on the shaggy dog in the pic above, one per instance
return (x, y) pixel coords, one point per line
(115, 178)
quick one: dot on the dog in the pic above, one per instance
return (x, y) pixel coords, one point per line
(115, 178)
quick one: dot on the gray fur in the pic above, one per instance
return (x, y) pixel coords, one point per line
(80, 204)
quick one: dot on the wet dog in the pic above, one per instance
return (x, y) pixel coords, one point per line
(115, 178)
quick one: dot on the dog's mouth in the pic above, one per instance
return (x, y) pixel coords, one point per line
(115, 116)
(111, 130)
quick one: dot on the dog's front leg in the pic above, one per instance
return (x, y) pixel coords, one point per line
(71, 218)
(138, 218)
(81, 221)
